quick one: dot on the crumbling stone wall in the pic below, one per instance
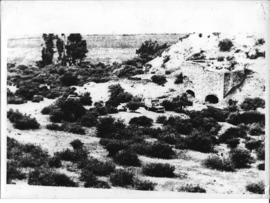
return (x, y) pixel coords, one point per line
(203, 82)
(232, 80)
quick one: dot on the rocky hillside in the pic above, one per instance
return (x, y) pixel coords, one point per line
(221, 54)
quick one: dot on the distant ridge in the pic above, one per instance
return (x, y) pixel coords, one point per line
(103, 41)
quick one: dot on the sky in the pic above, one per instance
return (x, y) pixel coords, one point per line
(30, 18)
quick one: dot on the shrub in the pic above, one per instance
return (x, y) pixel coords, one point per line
(159, 79)
(168, 137)
(27, 90)
(225, 45)
(99, 109)
(169, 105)
(158, 170)
(56, 116)
(68, 79)
(133, 106)
(253, 144)
(261, 166)
(246, 117)
(55, 162)
(127, 158)
(111, 109)
(55, 127)
(121, 178)
(161, 119)
(73, 156)
(97, 184)
(179, 79)
(76, 144)
(150, 49)
(192, 188)
(152, 132)
(241, 158)
(26, 123)
(88, 177)
(260, 41)
(72, 110)
(180, 125)
(216, 113)
(26, 155)
(86, 99)
(76, 129)
(118, 95)
(113, 146)
(128, 71)
(233, 143)
(143, 185)
(22, 122)
(15, 100)
(200, 141)
(252, 104)
(91, 180)
(89, 120)
(97, 167)
(232, 133)
(49, 178)
(158, 150)
(218, 163)
(257, 188)
(14, 172)
(261, 153)
(141, 121)
(108, 126)
(256, 129)
(202, 122)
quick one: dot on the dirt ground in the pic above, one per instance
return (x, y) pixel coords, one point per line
(188, 164)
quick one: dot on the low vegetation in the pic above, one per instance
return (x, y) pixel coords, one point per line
(22, 121)
(158, 170)
(219, 163)
(141, 121)
(127, 158)
(191, 188)
(241, 158)
(257, 188)
(252, 104)
(225, 45)
(46, 177)
(143, 185)
(126, 144)
(159, 79)
(122, 178)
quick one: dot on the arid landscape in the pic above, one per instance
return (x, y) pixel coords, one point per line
(157, 112)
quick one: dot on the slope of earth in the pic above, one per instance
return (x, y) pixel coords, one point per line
(202, 51)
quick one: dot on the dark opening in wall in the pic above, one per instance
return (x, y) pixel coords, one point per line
(213, 99)
(190, 92)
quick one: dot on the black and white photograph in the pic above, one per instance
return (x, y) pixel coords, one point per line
(135, 99)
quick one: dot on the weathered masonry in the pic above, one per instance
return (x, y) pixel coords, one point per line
(210, 85)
